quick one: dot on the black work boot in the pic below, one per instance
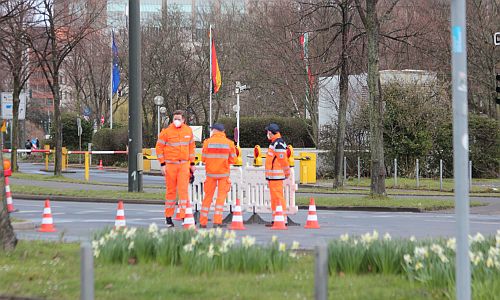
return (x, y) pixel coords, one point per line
(168, 222)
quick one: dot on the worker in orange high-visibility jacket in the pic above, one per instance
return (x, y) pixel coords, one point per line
(175, 151)
(277, 167)
(218, 154)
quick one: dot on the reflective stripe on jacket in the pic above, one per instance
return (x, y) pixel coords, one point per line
(175, 144)
(277, 167)
(218, 153)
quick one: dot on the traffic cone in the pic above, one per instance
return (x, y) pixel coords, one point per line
(100, 165)
(279, 219)
(120, 216)
(47, 221)
(237, 222)
(189, 219)
(312, 218)
(178, 214)
(8, 195)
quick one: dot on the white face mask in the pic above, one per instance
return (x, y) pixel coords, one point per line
(177, 123)
(269, 135)
(211, 132)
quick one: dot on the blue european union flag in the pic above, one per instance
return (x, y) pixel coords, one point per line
(116, 69)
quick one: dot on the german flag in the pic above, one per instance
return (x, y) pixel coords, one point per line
(216, 78)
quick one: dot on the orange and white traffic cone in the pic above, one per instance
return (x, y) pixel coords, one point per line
(100, 165)
(312, 217)
(47, 221)
(189, 218)
(120, 216)
(8, 195)
(178, 214)
(279, 219)
(237, 222)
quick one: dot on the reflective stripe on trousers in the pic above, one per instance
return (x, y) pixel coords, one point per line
(223, 185)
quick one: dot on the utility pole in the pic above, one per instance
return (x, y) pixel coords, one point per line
(460, 146)
(134, 105)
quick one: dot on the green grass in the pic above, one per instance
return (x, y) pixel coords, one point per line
(424, 184)
(421, 203)
(40, 177)
(52, 271)
(92, 194)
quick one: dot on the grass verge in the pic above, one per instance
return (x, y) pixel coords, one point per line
(479, 185)
(51, 270)
(91, 194)
(366, 201)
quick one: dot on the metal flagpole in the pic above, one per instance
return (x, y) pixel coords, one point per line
(111, 86)
(460, 146)
(211, 80)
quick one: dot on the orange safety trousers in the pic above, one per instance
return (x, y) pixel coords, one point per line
(224, 185)
(177, 181)
(277, 198)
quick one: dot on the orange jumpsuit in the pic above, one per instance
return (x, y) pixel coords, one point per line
(217, 154)
(277, 169)
(175, 149)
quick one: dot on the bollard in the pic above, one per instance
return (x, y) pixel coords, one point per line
(359, 171)
(395, 172)
(86, 272)
(64, 160)
(321, 273)
(441, 175)
(416, 175)
(87, 166)
(46, 147)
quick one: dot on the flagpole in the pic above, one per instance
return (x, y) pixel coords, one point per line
(211, 79)
(111, 86)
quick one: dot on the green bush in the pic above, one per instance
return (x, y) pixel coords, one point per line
(484, 147)
(252, 131)
(111, 139)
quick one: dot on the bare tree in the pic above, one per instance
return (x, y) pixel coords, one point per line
(14, 52)
(370, 18)
(61, 26)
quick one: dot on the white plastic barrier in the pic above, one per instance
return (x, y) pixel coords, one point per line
(250, 186)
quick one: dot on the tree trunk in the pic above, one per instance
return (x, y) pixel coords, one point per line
(8, 238)
(15, 123)
(378, 172)
(57, 126)
(344, 97)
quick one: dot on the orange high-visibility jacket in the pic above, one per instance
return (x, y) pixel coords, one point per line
(175, 145)
(217, 154)
(277, 167)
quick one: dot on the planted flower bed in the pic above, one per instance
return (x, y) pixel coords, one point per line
(202, 251)
(431, 262)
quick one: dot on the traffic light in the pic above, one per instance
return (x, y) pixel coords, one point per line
(289, 154)
(239, 160)
(257, 160)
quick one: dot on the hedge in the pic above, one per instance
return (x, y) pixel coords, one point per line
(252, 131)
(111, 139)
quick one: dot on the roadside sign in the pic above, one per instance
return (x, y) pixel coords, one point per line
(8, 106)
(496, 39)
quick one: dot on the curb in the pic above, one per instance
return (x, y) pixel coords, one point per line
(27, 225)
(137, 201)
(366, 208)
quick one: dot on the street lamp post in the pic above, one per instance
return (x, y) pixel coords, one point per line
(158, 100)
(239, 88)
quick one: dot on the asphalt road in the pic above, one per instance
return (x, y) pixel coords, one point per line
(76, 221)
